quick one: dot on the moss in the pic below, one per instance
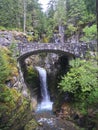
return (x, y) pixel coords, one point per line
(31, 125)
(15, 110)
(30, 38)
(11, 63)
(31, 75)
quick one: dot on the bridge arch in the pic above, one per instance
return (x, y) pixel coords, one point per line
(59, 52)
(67, 49)
(26, 53)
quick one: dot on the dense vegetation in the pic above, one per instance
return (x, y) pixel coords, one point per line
(14, 107)
(7, 65)
(76, 17)
(82, 82)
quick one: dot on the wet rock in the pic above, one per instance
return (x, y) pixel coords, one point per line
(75, 116)
(40, 124)
(66, 110)
(6, 38)
(81, 122)
(34, 103)
(31, 125)
(51, 122)
(84, 121)
(17, 114)
(68, 97)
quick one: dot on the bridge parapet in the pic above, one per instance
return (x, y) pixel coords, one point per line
(72, 48)
(75, 49)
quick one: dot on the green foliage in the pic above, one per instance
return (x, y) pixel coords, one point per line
(82, 81)
(30, 38)
(93, 97)
(60, 12)
(14, 108)
(31, 125)
(12, 15)
(90, 33)
(6, 95)
(49, 27)
(70, 29)
(4, 71)
(91, 6)
(71, 14)
(9, 13)
(13, 50)
(31, 75)
(76, 10)
(2, 28)
(9, 62)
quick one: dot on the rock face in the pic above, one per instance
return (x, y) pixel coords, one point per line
(31, 125)
(66, 110)
(15, 111)
(55, 66)
(15, 105)
(8, 37)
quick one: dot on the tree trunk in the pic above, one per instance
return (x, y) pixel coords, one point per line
(97, 26)
(24, 19)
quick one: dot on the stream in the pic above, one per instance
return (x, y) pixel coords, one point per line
(48, 121)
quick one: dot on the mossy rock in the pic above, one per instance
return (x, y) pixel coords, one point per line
(15, 110)
(31, 125)
(30, 38)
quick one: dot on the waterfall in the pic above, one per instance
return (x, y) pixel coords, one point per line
(45, 104)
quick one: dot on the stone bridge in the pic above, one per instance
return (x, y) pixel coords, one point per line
(70, 49)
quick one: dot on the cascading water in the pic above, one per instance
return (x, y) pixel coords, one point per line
(43, 115)
(45, 104)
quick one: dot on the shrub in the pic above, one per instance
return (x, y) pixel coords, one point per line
(90, 33)
(82, 81)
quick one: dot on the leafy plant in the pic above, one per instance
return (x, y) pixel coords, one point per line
(90, 33)
(31, 74)
(82, 81)
(4, 71)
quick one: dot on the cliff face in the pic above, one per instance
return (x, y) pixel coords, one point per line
(55, 66)
(15, 111)
(15, 105)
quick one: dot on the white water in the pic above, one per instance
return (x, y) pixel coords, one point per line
(45, 104)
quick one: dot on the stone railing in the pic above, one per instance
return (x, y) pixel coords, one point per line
(72, 48)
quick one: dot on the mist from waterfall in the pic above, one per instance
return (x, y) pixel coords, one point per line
(46, 103)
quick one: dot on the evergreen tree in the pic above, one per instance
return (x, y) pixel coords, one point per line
(4, 72)
(60, 12)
